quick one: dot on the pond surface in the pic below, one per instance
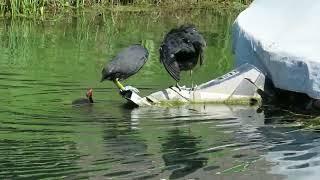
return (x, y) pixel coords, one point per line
(46, 65)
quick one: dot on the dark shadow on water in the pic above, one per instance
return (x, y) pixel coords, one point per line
(277, 101)
(125, 147)
(129, 106)
(180, 149)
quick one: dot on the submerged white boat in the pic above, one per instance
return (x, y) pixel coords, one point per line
(281, 38)
(240, 85)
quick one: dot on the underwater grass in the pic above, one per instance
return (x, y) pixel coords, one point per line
(116, 29)
(23, 38)
(40, 8)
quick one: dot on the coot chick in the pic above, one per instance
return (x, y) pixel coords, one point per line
(83, 101)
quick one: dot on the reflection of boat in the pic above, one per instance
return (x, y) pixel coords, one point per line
(193, 137)
(274, 149)
(238, 114)
(237, 86)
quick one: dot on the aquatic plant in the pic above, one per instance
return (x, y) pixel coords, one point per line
(107, 32)
(38, 8)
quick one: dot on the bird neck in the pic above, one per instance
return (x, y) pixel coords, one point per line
(118, 84)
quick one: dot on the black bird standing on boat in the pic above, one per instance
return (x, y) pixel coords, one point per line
(127, 63)
(83, 101)
(181, 50)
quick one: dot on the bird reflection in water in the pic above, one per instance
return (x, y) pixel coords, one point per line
(181, 148)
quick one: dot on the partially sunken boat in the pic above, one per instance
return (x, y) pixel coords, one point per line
(281, 38)
(239, 86)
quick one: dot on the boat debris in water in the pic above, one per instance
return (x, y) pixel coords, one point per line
(239, 86)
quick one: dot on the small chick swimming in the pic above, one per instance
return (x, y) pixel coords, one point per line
(83, 101)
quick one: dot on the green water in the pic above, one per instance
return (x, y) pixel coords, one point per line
(46, 65)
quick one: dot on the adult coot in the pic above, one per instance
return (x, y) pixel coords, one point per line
(181, 50)
(127, 63)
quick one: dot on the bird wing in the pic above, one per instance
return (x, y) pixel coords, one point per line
(201, 56)
(169, 61)
(173, 69)
(136, 58)
(126, 63)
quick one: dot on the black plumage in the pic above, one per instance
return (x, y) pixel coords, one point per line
(181, 50)
(127, 63)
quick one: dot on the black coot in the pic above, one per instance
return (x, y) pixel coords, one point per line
(127, 63)
(181, 50)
